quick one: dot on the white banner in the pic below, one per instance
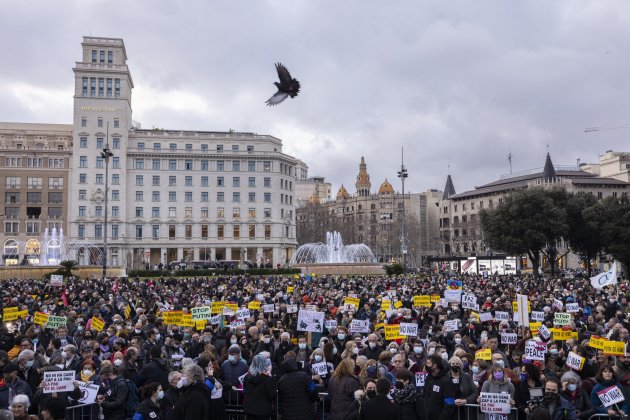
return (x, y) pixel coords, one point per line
(453, 295)
(485, 316)
(312, 321)
(537, 316)
(492, 403)
(242, 314)
(56, 280)
(522, 303)
(469, 301)
(88, 392)
(331, 323)
(561, 318)
(611, 395)
(501, 316)
(535, 350)
(544, 332)
(58, 381)
(409, 329)
(508, 338)
(291, 309)
(360, 326)
(269, 308)
(605, 279)
(450, 325)
(574, 361)
(572, 308)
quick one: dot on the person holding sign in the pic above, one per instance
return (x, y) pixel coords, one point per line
(498, 383)
(606, 378)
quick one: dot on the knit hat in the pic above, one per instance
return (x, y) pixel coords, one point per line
(234, 349)
(570, 376)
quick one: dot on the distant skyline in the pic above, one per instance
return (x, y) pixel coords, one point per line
(458, 84)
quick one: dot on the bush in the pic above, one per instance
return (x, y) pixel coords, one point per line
(194, 273)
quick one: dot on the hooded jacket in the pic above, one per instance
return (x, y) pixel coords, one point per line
(294, 390)
(260, 394)
(439, 395)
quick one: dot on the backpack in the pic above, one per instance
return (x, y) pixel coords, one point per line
(134, 397)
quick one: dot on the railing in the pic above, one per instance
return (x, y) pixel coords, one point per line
(83, 412)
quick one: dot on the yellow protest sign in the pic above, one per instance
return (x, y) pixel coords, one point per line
(397, 304)
(435, 298)
(533, 327)
(10, 314)
(515, 307)
(127, 311)
(217, 307)
(172, 317)
(186, 321)
(392, 332)
(574, 335)
(386, 305)
(232, 306)
(422, 301)
(597, 342)
(22, 313)
(254, 305)
(352, 301)
(40, 318)
(290, 289)
(560, 334)
(97, 324)
(614, 348)
(377, 326)
(201, 324)
(485, 354)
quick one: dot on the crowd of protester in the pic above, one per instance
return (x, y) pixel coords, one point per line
(263, 365)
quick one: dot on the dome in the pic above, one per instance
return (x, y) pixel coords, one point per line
(342, 194)
(386, 188)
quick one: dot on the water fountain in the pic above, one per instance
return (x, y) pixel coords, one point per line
(56, 248)
(334, 257)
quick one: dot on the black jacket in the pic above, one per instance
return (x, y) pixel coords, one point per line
(372, 353)
(193, 404)
(114, 406)
(148, 410)
(295, 390)
(260, 394)
(155, 371)
(380, 408)
(439, 395)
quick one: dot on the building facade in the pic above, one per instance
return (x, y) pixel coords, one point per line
(375, 219)
(312, 189)
(172, 195)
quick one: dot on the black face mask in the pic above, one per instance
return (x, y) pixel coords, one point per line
(400, 385)
(550, 397)
(456, 369)
(371, 393)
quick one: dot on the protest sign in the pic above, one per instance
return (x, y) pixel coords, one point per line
(535, 350)
(170, 317)
(290, 289)
(523, 310)
(186, 321)
(485, 354)
(200, 325)
(56, 321)
(214, 320)
(544, 332)
(269, 308)
(254, 305)
(320, 369)
(97, 324)
(501, 316)
(217, 307)
(572, 308)
(469, 301)
(515, 305)
(201, 312)
(561, 318)
(533, 327)
(485, 316)
(292, 309)
(23, 313)
(494, 403)
(558, 334)
(557, 303)
(58, 381)
(611, 395)
(88, 392)
(398, 304)
(40, 318)
(242, 314)
(450, 325)
(435, 298)
(314, 308)
(537, 316)
(360, 326)
(421, 379)
(422, 301)
(330, 324)
(352, 301)
(312, 321)
(614, 348)
(508, 338)
(597, 342)
(392, 332)
(453, 295)
(231, 306)
(56, 280)
(574, 361)
(386, 305)
(408, 329)
(454, 284)
(10, 314)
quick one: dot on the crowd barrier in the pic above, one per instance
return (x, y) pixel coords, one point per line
(83, 412)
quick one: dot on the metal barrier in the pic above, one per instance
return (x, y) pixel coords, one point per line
(83, 412)
(473, 412)
(234, 405)
(605, 417)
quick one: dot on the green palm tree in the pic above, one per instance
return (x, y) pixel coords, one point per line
(68, 266)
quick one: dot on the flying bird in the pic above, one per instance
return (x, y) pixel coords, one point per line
(287, 86)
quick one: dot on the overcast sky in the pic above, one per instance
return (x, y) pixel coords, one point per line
(459, 83)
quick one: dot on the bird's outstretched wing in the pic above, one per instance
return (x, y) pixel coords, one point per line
(277, 98)
(283, 74)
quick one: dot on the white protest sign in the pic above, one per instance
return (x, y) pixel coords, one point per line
(58, 381)
(269, 308)
(492, 403)
(409, 329)
(469, 301)
(574, 361)
(537, 316)
(573, 308)
(215, 319)
(611, 395)
(348, 307)
(312, 321)
(242, 314)
(360, 326)
(319, 369)
(508, 338)
(201, 313)
(485, 316)
(88, 392)
(235, 324)
(561, 318)
(291, 309)
(331, 323)
(311, 307)
(535, 350)
(453, 295)
(56, 280)
(557, 304)
(450, 325)
(501, 316)
(544, 332)
(420, 379)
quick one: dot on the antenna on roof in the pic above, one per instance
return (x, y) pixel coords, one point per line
(510, 160)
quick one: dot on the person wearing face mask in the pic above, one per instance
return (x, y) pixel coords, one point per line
(296, 391)
(121, 399)
(557, 406)
(361, 396)
(573, 392)
(11, 385)
(303, 352)
(498, 383)
(417, 357)
(509, 373)
(373, 348)
(530, 378)
(156, 370)
(27, 371)
(234, 367)
(466, 390)
(606, 378)
(331, 354)
(194, 402)
(341, 339)
(151, 393)
(407, 397)
(264, 344)
(439, 392)
(321, 379)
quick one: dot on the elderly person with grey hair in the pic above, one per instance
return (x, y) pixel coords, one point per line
(194, 403)
(20, 406)
(27, 372)
(260, 389)
(69, 353)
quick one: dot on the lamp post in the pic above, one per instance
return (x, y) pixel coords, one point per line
(402, 174)
(106, 154)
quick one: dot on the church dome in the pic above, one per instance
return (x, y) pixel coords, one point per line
(342, 194)
(386, 188)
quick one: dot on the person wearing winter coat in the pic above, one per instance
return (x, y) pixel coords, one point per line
(407, 397)
(114, 402)
(260, 390)
(149, 408)
(498, 383)
(360, 397)
(556, 405)
(295, 391)
(439, 392)
(380, 407)
(606, 378)
(156, 370)
(341, 389)
(194, 402)
(573, 392)
(466, 390)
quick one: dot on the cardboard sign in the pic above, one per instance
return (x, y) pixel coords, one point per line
(330, 324)
(574, 361)
(97, 324)
(544, 332)
(254, 305)
(170, 317)
(236, 324)
(217, 307)
(409, 329)
(421, 379)
(214, 320)
(56, 321)
(508, 338)
(269, 308)
(515, 306)
(435, 298)
(469, 301)
(200, 325)
(450, 325)
(398, 304)
(10, 314)
(614, 348)
(56, 280)
(352, 301)
(386, 305)
(611, 395)
(392, 332)
(561, 318)
(485, 316)
(319, 369)
(501, 316)
(58, 381)
(231, 306)
(422, 301)
(40, 318)
(485, 354)
(23, 313)
(597, 342)
(491, 403)
(557, 304)
(292, 309)
(558, 334)
(360, 326)
(537, 316)
(242, 314)
(453, 295)
(535, 350)
(88, 392)
(533, 327)
(312, 321)
(572, 308)
(201, 313)
(186, 321)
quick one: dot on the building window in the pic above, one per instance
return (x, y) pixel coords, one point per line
(139, 211)
(98, 211)
(172, 212)
(99, 178)
(172, 181)
(220, 165)
(155, 180)
(267, 182)
(220, 197)
(83, 194)
(139, 164)
(188, 165)
(155, 196)
(172, 196)
(252, 197)
(83, 142)
(236, 213)
(110, 57)
(99, 122)
(267, 166)
(116, 162)
(250, 148)
(219, 147)
(220, 181)
(236, 232)
(81, 232)
(55, 212)
(114, 231)
(117, 87)
(116, 120)
(251, 213)
(171, 231)
(172, 164)
(251, 182)
(204, 212)
(116, 143)
(92, 86)
(138, 231)
(251, 166)
(267, 231)
(35, 162)
(81, 211)
(204, 231)
(188, 147)
(236, 181)
(172, 147)
(252, 231)
(98, 231)
(139, 180)
(204, 196)
(188, 231)
(220, 212)
(204, 165)
(235, 147)
(236, 166)
(115, 211)
(102, 56)
(34, 197)
(82, 161)
(109, 94)
(139, 196)
(267, 197)
(140, 146)
(267, 214)
(220, 231)
(204, 181)
(236, 197)
(115, 195)
(33, 183)
(188, 181)
(204, 147)
(188, 212)
(115, 179)
(157, 146)
(188, 196)
(99, 162)
(155, 164)
(84, 89)
(155, 231)
(13, 182)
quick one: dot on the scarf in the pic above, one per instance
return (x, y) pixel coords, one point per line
(406, 395)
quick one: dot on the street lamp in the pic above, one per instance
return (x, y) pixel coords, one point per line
(402, 174)
(106, 154)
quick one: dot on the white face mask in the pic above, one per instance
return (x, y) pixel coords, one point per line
(233, 340)
(182, 382)
(87, 372)
(392, 350)
(458, 340)
(61, 366)
(372, 344)
(28, 364)
(445, 356)
(334, 350)
(317, 358)
(266, 340)
(355, 350)
(118, 362)
(64, 355)
(417, 349)
(431, 351)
